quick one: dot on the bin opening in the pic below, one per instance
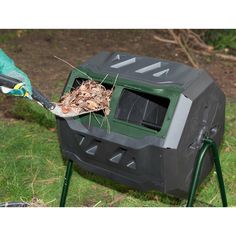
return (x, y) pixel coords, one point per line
(142, 109)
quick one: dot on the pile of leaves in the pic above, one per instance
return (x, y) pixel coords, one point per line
(90, 96)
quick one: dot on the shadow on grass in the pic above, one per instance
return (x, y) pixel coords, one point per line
(140, 195)
(145, 196)
(152, 195)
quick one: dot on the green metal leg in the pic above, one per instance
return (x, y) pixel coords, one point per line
(66, 183)
(207, 143)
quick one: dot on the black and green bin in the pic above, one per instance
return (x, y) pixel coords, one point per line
(160, 113)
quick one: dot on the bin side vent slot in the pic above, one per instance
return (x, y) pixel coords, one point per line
(118, 155)
(116, 58)
(116, 158)
(131, 165)
(160, 73)
(80, 139)
(124, 63)
(93, 148)
(149, 68)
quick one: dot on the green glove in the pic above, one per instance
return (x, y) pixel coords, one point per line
(7, 67)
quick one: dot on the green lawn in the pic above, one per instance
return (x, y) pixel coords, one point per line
(31, 166)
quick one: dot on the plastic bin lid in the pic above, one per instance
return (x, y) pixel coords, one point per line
(143, 69)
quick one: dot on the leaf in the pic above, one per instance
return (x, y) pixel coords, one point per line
(88, 97)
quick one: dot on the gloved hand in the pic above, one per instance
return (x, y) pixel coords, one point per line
(7, 67)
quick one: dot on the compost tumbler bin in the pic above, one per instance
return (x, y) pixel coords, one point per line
(160, 113)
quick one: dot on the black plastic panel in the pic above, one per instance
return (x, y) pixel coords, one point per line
(142, 109)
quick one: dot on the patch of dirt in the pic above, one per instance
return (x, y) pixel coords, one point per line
(5, 104)
(224, 73)
(34, 53)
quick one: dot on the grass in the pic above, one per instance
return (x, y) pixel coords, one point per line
(31, 166)
(7, 35)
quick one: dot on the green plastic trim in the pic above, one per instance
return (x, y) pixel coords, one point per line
(122, 127)
(208, 143)
(66, 183)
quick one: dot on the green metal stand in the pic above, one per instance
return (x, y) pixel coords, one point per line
(66, 183)
(207, 143)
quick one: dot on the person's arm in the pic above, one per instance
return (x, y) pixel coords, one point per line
(8, 67)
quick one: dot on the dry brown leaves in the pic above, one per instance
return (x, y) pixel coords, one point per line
(36, 202)
(90, 96)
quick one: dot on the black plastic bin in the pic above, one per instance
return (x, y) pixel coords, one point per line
(160, 112)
